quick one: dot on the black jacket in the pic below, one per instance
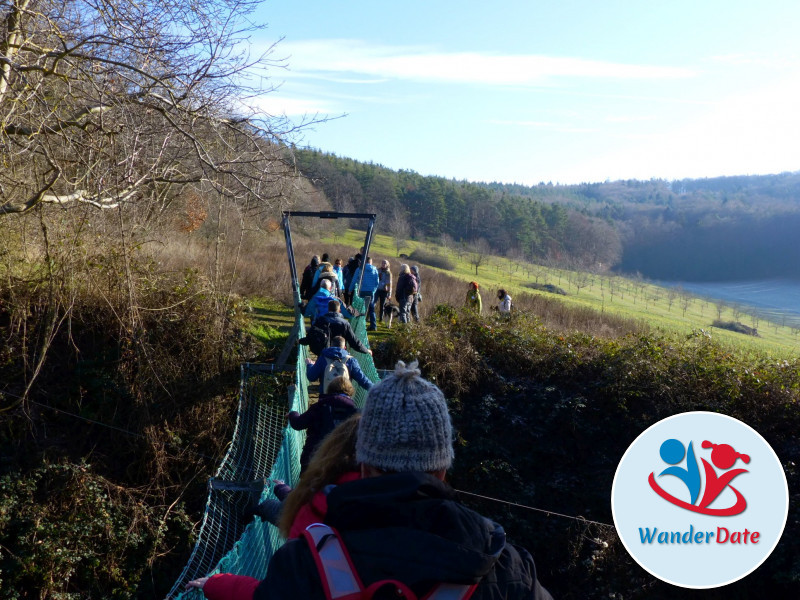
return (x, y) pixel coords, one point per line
(338, 325)
(320, 419)
(409, 527)
(307, 279)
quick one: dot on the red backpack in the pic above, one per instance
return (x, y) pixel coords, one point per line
(340, 580)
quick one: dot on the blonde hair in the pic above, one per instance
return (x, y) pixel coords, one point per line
(334, 457)
(404, 268)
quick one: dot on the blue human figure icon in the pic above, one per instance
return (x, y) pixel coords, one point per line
(672, 452)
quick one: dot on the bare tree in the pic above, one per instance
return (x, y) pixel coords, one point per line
(112, 102)
(580, 280)
(479, 253)
(720, 306)
(686, 302)
(398, 225)
(446, 242)
(672, 295)
(143, 106)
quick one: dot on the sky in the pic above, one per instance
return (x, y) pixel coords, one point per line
(561, 91)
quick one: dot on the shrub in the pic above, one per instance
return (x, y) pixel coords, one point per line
(546, 287)
(736, 326)
(432, 259)
(68, 533)
(543, 417)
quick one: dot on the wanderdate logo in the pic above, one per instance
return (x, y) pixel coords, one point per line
(700, 500)
(723, 457)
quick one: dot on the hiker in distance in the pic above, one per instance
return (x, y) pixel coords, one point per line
(369, 285)
(405, 291)
(473, 301)
(503, 301)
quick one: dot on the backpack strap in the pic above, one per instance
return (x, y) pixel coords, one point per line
(339, 578)
(451, 591)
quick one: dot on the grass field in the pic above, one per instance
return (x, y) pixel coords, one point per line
(662, 308)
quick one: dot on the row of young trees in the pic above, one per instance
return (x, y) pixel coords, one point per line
(461, 212)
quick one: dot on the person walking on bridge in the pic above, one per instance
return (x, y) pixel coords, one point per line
(318, 304)
(401, 525)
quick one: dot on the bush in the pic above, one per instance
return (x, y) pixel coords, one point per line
(546, 287)
(544, 416)
(432, 260)
(736, 326)
(68, 533)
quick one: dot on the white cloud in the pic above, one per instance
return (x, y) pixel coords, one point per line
(755, 60)
(420, 64)
(751, 133)
(279, 105)
(628, 119)
(544, 126)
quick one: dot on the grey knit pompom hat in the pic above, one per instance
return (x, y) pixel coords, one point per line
(405, 425)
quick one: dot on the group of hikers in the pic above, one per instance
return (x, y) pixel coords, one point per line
(372, 515)
(323, 280)
(475, 303)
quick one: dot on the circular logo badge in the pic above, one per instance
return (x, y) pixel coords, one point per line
(700, 500)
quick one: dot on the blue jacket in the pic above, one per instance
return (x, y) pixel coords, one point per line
(370, 282)
(318, 305)
(339, 275)
(314, 372)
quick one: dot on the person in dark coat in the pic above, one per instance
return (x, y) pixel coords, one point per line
(349, 271)
(401, 521)
(339, 326)
(335, 406)
(384, 291)
(307, 279)
(418, 296)
(405, 292)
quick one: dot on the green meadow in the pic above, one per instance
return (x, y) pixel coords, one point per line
(662, 308)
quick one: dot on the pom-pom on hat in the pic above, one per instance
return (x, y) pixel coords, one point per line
(405, 425)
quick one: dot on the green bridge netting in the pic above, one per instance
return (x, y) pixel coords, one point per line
(262, 449)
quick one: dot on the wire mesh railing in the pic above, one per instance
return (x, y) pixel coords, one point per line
(262, 450)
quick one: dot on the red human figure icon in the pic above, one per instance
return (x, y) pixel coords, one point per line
(724, 457)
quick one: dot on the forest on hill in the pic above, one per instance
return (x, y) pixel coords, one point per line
(725, 228)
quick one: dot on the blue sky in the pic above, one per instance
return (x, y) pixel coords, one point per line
(530, 91)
